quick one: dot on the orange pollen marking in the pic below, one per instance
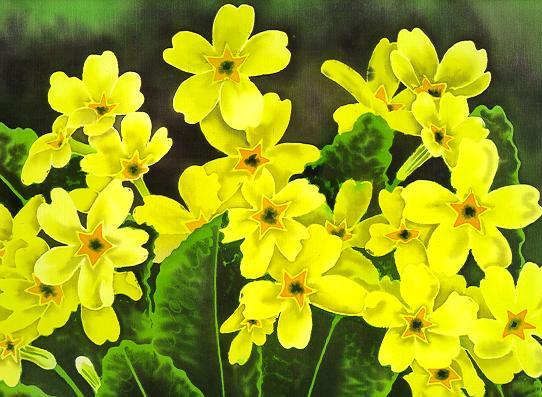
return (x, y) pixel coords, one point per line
(250, 159)
(435, 90)
(383, 96)
(403, 234)
(270, 216)
(440, 136)
(134, 167)
(58, 142)
(416, 325)
(102, 107)
(47, 293)
(250, 324)
(197, 223)
(468, 212)
(517, 325)
(2, 252)
(443, 376)
(296, 287)
(10, 347)
(226, 66)
(339, 230)
(93, 245)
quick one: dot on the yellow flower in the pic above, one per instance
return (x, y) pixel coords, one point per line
(418, 329)
(130, 158)
(510, 334)
(83, 198)
(49, 150)
(250, 331)
(446, 124)
(460, 72)
(270, 221)
(94, 101)
(300, 283)
(376, 95)
(222, 70)
(257, 149)
(90, 253)
(173, 221)
(448, 381)
(468, 219)
(393, 232)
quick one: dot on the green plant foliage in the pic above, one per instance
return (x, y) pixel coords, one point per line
(523, 386)
(21, 391)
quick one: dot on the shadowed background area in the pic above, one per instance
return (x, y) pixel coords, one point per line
(38, 38)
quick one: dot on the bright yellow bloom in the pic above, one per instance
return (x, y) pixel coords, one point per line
(83, 198)
(49, 150)
(468, 219)
(460, 72)
(516, 319)
(419, 329)
(250, 331)
(257, 149)
(445, 125)
(173, 221)
(94, 101)
(270, 221)
(448, 381)
(301, 283)
(376, 95)
(130, 158)
(222, 70)
(395, 233)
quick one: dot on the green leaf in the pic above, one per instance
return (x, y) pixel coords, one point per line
(523, 386)
(21, 391)
(130, 370)
(14, 146)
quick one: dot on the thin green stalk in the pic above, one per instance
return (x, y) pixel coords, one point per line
(141, 187)
(215, 303)
(60, 371)
(393, 184)
(13, 190)
(336, 320)
(80, 148)
(132, 370)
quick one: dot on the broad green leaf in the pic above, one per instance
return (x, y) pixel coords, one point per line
(523, 386)
(130, 370)
(21, 391)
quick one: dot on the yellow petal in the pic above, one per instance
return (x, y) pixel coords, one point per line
(302, 196)
(232, 26)
(289, 241)
(127, 247)
(221, 136)
(392, 205)
(453, 110)
(241, 104)
(287, 159)
(95, 287)
(529, 286)
(126, 283)
(10, 372)
(379, 70)
(404, 70)
(100, 325)
(110, 208)
(36, 168)
(136, 131)
(165, 215)
(59, 219)
(25, 222)
(490, 248)
(498, 370)
(513, 207)
(487, 337)
(295, 326)
(498, 291)
(158, 146)
(461, 65)
(199, 191)
(424, 110)
(349, 79)
(126, 93)
(438, 352)
(396, 351)
(356, 267)
(475, 88)
(379, 244)
(402, 121)
(275, 120)
(419, 287)
(188, 53)
(266, 53)
(98, 126)
(240, 348)
(165, 244)
(61, 157)
(240, 225)
(383, 310)
(233, 323)
(420, 52)
(471, 381)
(100, 72)
(347, 115)
(58, 265)
(529, 354)
(261, 299)
(196, 97)
(257, 254)
(67, 93)
(426, 202)
(338, 294)
(352, 201)
(448, 249)
(456, 316)
(409, 253)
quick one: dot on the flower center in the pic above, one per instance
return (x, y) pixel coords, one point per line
(440, 136)
(443, 377)
(403, 234)
(416, 325)
(250, 159)
(517, 325)
(134, 167)
(468, 212)
(47, 293)
(270, 216)
(251, 324)
(296, 287)
(383, 96)
(435, 90)
(10, 347)
(339, 230)
(102, 107)
(58, 142)
(226, 66)
(197, 223)
(93, 245)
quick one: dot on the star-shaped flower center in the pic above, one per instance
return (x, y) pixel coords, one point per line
(517, 325)
(2, 252)
(296, 287)
(440, 136)
(134, 167)
(102, 107)
(416, 325)
(250, 324)
(196, 223)
(403, 234)
(443, 376)
(270, 216)
(226, 66)
(383, 96)
(339, 230)
(93, 245)
(58, 142)
(435, 90)
(10, 347)
(250, 159)
(468, 212)
(47, 293)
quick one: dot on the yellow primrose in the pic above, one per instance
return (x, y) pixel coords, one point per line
(91, 252)
(250, 331)
(375, 95)
(468, 219)
(256, 149)
(460, 72)
(128, 158)
(99, 97)
(222, 70)
(516, 320)
(446, 382)
(395, 233)
(300, 283)
(445, 125)
(172, 220)
(49, 150)
(16, 347)
(84, 197)
(418, 329)
(270, 221)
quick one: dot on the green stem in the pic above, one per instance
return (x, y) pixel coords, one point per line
(132, 370)
(336, 320)
(13, 190)
(393, 184)
(80, 148)
(415, 161)
(60, 371)
(141, 187)
(215, 304)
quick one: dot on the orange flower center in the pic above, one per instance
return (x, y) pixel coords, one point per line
(250, 159)
(58, 142)
(339, 230)
(10, 347)
(383, 96)
(226, 66)
(468, 212)
(435, 90)
(102, 107)
(250, 324)
(440, 136)
(443, 376)
(296, 287)
(93, 245)
(134, 167)
(47, 293)
(270, 216)
(416, 325)
(403, 234)
(197, 223)
(517, 325)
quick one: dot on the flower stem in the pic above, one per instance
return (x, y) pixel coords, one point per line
(215, 304)
(141, 187)
(415, 161)
(80, 148)
(334, 323)
(60, 371)
(13, 190)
